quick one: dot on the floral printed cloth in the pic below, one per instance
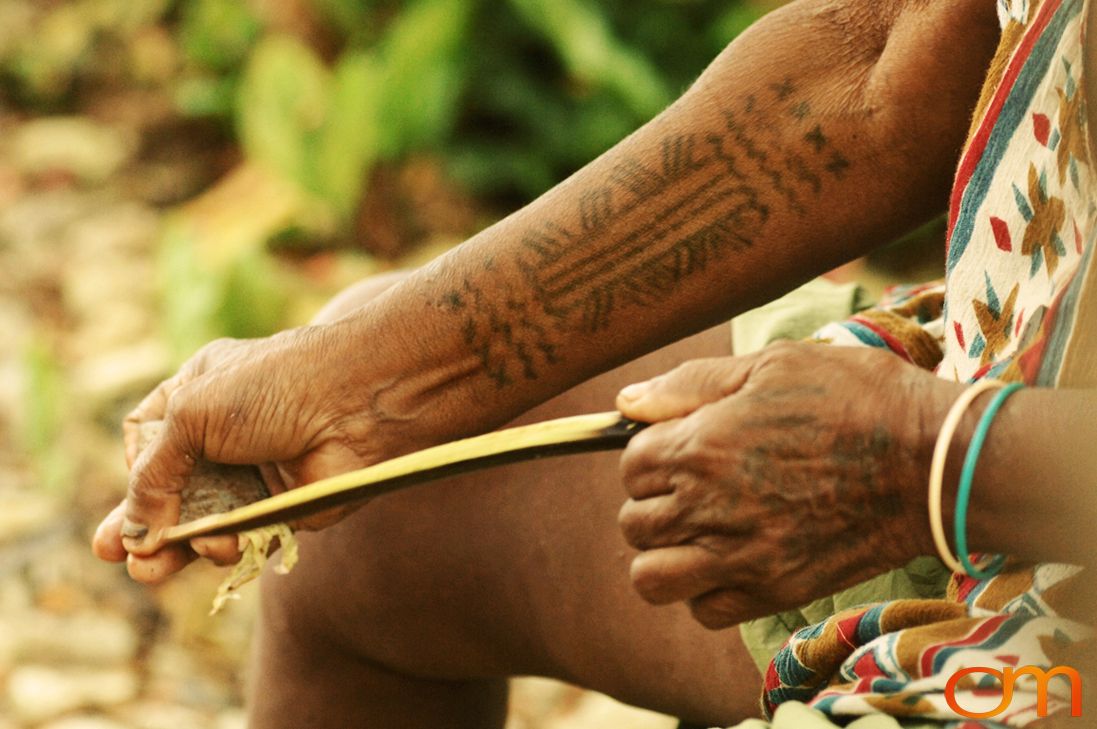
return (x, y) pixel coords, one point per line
(1017, 303)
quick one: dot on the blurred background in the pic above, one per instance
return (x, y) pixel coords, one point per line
(172, 171)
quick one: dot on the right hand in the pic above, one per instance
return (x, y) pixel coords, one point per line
(285, 403)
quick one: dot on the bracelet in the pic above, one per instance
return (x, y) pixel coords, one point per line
(937, 468)
(967, 475)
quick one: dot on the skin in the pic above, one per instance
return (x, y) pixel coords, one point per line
(792, 153)
(767, 481)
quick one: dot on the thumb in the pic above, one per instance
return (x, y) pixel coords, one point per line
(155, 487)
(684, 389)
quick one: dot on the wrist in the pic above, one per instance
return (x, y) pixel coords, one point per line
(396, 388)
(935, 400)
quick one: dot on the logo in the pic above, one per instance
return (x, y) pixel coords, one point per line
(1008, 677)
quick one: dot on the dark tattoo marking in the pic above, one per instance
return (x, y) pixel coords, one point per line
(650, 225)
(816, 139)
(595, 208)
(783, 90)
(802, 172)
(835, 484)
(837, 165)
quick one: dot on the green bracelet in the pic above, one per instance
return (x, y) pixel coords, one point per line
(967, 475)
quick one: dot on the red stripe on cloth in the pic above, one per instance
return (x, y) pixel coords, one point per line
(977, 636)
(974, 151)
(889, 339)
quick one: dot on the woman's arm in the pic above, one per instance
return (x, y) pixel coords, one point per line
(1035, 488)
(828, 128)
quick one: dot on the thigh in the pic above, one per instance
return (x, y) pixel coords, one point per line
(518, 570)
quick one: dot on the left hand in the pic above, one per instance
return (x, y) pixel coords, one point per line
(776, 478)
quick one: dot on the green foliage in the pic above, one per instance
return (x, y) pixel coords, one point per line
(581, 36)
(44, 406)
(215, 38)
(241, 296)
(323, 129)
(282, 107)
(217, 34)
(512, 95)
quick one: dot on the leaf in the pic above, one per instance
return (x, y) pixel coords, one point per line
(421, 55)
(593, 54)
(44, 405)
(282, 103)
(217, 34)
(347, 145)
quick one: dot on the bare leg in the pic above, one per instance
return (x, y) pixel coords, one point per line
(413, 611)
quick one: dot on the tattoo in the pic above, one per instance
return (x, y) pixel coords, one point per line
(635, 239)
(783, 90)
(816, 139)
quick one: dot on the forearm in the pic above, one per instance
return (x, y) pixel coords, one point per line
(1035, 488)
(793, 152)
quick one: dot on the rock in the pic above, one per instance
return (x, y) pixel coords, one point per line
(84, 148)
(38, 693)
(532, 697)
(25, 513)
(122, 372)
(161, 715)
(596, 710)
(232, 719)
(88, 639)
(39, 220)
(84, 721)
(176, 676)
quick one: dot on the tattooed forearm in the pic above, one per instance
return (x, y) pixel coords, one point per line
(652, 223)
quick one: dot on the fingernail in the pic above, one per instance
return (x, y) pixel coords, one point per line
(130, 530)
(635, 391)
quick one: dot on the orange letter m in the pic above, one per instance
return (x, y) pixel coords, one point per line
(1008, 677)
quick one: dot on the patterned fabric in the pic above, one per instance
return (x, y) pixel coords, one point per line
(1019, 260)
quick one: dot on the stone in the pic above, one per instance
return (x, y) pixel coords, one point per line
(162, 715)
(38, 693)
(231, 719)
(24, 513)
(121, 372)
(88, 150)
(596, 710)
(90, 639)
(84, 721)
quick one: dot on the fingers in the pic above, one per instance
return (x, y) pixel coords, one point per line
(684, 389)
(153, 407)
(107, 542)
(155, 568)
(156, 481)
(663, 576)
(723, 608)
(222, 551)
(647, 462)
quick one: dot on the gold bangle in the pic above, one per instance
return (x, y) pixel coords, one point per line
(937, 468)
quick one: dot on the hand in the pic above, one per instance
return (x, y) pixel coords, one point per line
(280, 402)
(773, 479)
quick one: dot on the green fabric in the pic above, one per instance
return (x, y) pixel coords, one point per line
(922, 578)
(795, 316)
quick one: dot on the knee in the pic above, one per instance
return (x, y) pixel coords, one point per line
(371, 589)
